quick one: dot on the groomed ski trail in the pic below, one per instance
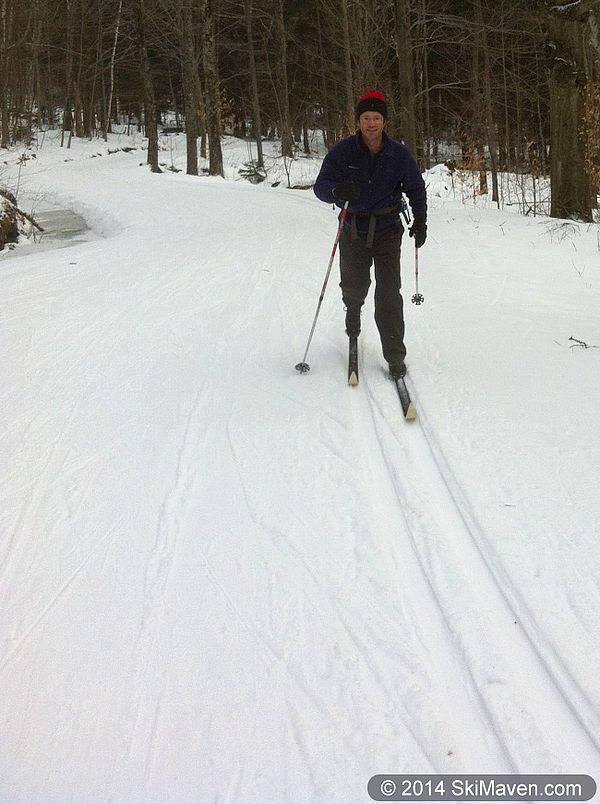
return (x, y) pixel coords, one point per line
(526, 695)
(222, 580)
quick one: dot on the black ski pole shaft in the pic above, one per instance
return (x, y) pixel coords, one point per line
(416, 270)
(418, 297)
(303, 366)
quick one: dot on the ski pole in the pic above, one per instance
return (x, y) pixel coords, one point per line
(303, 366)
(418, 297)
(404, 211)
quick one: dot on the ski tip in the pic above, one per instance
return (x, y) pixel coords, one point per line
(411, 413)
(352, 378)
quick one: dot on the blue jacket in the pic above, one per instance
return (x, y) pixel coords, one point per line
(382, 179)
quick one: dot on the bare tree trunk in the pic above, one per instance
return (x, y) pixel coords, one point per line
(348, 82)
(573, 47)
(492, 138)
(477, 122)
(98, 68)
(542, 150)
(5, 21)
(34, 90)
(305, 139)
(406, 79)
(518, 117)
(113, 54)
(77, 93)
(212, 88)
(285, 125)
(201, 115)
(508, 161)
(68, 104)
(150, 116)
(257, 123)
(189, 65)
(426, 98)
(327, 138)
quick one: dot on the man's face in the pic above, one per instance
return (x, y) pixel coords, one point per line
(371, 124)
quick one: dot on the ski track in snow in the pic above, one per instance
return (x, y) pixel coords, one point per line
(447, 544)
(158, 573)
(580, 705)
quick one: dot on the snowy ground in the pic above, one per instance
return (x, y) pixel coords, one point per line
(221, 581)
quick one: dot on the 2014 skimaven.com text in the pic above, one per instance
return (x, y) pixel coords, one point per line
(471, 787)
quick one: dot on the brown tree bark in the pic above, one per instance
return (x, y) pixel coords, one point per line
(328, 137)
(406, 78)
(348, 82)
(189, 78)
(283, 102)
(256, 122)
(150, 115)
(212, 88)
(68, 103)
(256, 115)
(574, 52)
(486, 94)
(5, 37)
(423, 88)
(111, 85)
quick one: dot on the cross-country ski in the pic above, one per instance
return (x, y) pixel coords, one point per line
(352, 361)
(408, 409)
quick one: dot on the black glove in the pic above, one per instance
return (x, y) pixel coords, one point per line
(346, 191)
(419, 230)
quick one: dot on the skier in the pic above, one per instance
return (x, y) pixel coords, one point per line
(370, 171)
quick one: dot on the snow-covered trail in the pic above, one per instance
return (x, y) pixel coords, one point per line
(222, 581)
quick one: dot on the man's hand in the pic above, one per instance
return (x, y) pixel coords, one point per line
(419, 230)
(346, 191)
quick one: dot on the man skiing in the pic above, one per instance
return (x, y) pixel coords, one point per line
(370, 171)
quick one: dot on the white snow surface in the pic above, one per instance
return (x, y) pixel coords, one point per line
(224, 581)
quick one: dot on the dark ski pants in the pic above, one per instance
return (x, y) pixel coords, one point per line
(355, 272)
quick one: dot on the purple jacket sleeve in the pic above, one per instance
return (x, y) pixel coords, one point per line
(414, 186)
(331, 173)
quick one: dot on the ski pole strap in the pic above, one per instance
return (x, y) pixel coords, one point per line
(372, 216)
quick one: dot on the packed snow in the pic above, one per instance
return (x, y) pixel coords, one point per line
(224, 581)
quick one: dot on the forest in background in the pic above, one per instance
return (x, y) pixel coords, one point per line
(502, 85)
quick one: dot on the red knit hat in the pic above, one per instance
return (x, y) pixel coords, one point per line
(371, 101)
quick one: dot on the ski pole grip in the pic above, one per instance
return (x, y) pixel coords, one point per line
(343, 216)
